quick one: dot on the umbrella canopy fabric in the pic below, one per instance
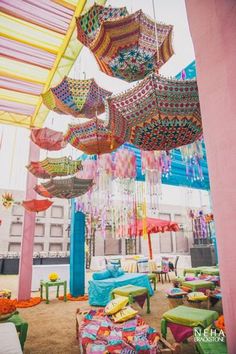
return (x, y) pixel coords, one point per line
(52, 167)
(37, 170)
(48, 139)
(133, 46)
(68, 188)
(89, 23)
(152, 225)
(41, 190)
(79, 98)
(35, 205)
(157, 114)
(91, 137)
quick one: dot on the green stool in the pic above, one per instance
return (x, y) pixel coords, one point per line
(195, 285)
(194, 271)
(47, 284)
(21, 327)
(205, 345)
(153, 279)
(131, 291)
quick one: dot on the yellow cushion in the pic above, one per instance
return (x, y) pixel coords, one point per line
(124, 315)
(196, 296)
(115, 305)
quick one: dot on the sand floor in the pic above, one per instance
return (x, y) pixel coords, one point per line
(52, 327)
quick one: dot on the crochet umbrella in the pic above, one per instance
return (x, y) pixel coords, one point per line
(91, 137)
(68, 188)
(79, 98)
(35, 205)
(157, 114)
(133, 46)
(48, 139)
(152, 226)
(51, 167)
(89, 23)
(41, 190)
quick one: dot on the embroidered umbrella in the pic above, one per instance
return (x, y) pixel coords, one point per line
(132, 46)
(91, 137)
(89, 23)
(52, 167)
(79, 98)
(41, 190)
(157, 114)
(35, 205)
(68, 188)
(48, 139)
(37, 170)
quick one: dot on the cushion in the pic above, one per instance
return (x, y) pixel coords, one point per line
(105, 274)
(114, 270)
(121, 272)
(116, 305)
(197, 296)
(124, 315)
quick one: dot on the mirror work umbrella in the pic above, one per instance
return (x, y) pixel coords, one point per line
(148, 226)
(91, 137)
(52, 167)
(157, 114)
(68, 188)
(48, 139)
(133, 46)
(89, 23)
(36, 205)
(79, 98)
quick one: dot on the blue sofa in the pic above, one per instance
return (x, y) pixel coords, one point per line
(99, 290)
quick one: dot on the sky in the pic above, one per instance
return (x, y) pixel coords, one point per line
(15, 141)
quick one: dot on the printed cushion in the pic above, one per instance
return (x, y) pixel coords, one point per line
(124, 315)
(115, 305)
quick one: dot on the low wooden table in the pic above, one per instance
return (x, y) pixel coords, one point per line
(131, 291)
(47, 284)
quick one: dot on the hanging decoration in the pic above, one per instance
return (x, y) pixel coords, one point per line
(37, 170)
(192, 155)
(91, 137)
(89, 170)
(68, 188)
(202, 227)
(48, 139)
(35, 205)
(79, 98)
(7, 200)
(41, 190)
(157, 114)
(89, 23)
(52, 167)
(131, 47)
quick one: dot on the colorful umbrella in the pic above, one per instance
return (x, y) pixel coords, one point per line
(151, 226)
(80, 98)
(41, 190)
(48, 139)
(132, 46)
(37, 170)
(52, 167)
(35, 205)
(68, 188)
(157, 114)
(91, 137)
(89, 24)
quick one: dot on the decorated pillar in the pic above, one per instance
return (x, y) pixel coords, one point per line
(213, 28)
(27, 244)
(77, 252)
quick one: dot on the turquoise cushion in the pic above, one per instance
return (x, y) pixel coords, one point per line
(114, 270)
(105, 274)
(120, 272)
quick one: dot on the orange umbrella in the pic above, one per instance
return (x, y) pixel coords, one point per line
(35, 205)
(151, 226)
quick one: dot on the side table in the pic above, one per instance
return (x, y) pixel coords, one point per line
(47, 284)
(21, 327)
